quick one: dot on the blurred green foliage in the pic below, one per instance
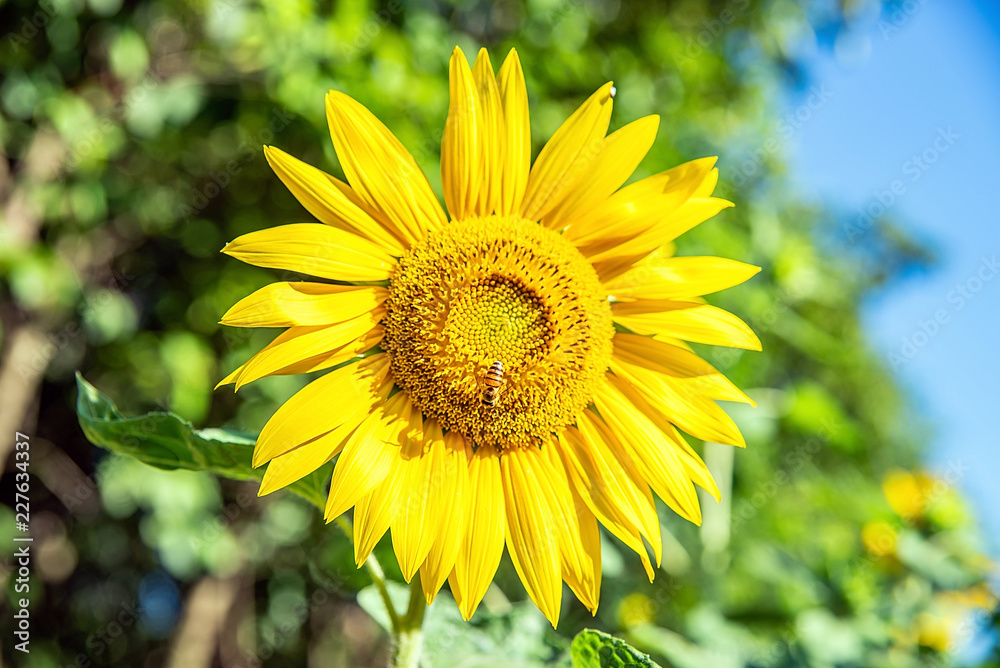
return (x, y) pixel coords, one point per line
(132, 135)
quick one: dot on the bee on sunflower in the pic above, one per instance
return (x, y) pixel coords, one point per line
(553, 270)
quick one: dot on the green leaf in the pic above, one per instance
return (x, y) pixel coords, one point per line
(595, 649)
(167, 441)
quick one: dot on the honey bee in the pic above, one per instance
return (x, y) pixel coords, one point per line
(492, 384)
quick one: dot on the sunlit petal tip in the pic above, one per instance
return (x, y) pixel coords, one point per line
(511, 66)
(228, 380)
(715, 493)
(707, 186)
(483, 58)
(287, 468)
(458, 66)
(259, 458)
(466, 606)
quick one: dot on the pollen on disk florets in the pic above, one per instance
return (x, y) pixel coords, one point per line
(498, 288)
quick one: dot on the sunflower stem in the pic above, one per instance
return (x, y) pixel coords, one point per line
(409, 640)
(374, 569)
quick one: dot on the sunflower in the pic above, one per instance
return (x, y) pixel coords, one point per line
(555, 271)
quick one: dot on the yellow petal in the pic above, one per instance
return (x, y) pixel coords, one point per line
(611, 257)
(517, 135)
(717, 387)
(531, 538)
(472, 146)
(700, 324)
(299, 344)
(317, 250)
(674, 360)
(491, 136)
(693, 464)
(679, 277)
(454, 491)
(461, 144)
(285, 469)
(302, 303)
(607, 492)
(368, 455)
(693, 412)
(660, 356)
(577, 533)
(322, 406)
(568, 155)
(637, 207)
(650, 451)
(620, 153)
(644, 306)
(325, 360)
(326, 198)
(380, 170)
(425, 492)
(482, 543)
(626, 483)
(374, 513)
(707, 186)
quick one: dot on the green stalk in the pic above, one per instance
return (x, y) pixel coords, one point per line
(374, 569)
(409, 641)
(407, 631)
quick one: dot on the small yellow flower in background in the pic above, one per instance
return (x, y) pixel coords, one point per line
(933, 631)
(907, 493)
(978, 597)
(548, 269)
(635, 610)
(920, 496)
(879, 538)
(950, 623)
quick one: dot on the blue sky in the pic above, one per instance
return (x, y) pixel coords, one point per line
(915, 107)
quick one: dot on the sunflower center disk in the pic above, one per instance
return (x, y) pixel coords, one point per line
(498, 289)
(497, 318)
